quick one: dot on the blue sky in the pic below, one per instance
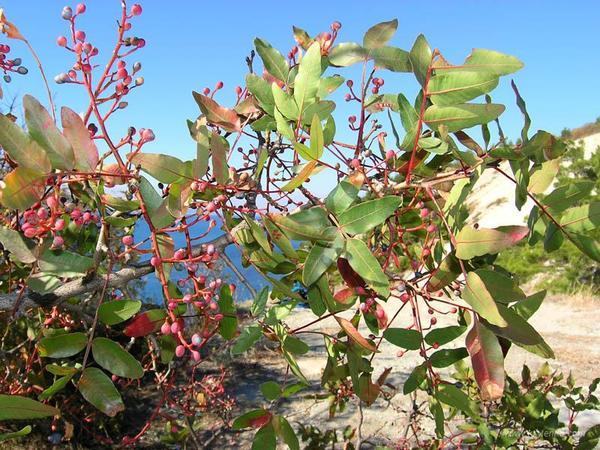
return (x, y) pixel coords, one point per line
(194, 44)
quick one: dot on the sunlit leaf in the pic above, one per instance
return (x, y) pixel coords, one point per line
(471, 242)
(273, 61)
(84, 148)
(43, 130)
(15, 407)
(216, 114)
(378, 35)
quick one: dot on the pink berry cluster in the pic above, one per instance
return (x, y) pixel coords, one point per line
(9, 66)
(50, 217)
(122, 79)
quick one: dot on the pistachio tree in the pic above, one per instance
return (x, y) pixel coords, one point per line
(345, 211)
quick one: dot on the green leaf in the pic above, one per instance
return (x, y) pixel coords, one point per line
(366, 265)
(319, 259)
(228, 325)
(64, 263)
(316, 138)
(248, 337)
(481, 300)
(519, 331)
(444, 335)
(367, 215)
(285, 102)
(270, 390)
(446, 357)
(294, 345)
(322, 109)
(62, 345)
(23, 188)
(328, 85)
(453, 87)
(265, 439)
(341, 197)
(55, 369)
(306, 84)
(391, 58)
(301, 177)
(504, 288)
(543, 176)
(219, 148)
(488, 361)
(286, 432)
(491, 61)
(408, 339)
(471, 242)
(21, 148)
(114, 358)
(564, 197)
(346, 54)
(15, 407)
(458, 117)
(307, 224)
(420, 57)
(260, 302)
(414, 380)
(164, 168)
(273, 61)
(156, 206)
(43, 130)
(16, 434)
(378, 35)
(261, 90)
(579, 219)
(97, 388)
(17, 246)
(56, 387)
(84, 149)
(451, 395)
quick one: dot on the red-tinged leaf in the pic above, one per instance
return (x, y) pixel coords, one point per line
(84, 148)
(367, 390)
(145, 323)
(420, 155)
(471, 242)
(43, 130)
(255, 419)
(261, 421)
(349, 275)
(355, 336)
(216, 114)
(115, 178)
(23, 188)
(487, 359)
(345, 296)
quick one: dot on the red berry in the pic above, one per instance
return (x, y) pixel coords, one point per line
(127, 240)
(58, 241)
(390, 154)
(80, 8)
(61, 41)
(355, 163)
(335, 26)
(405, 297)
(136, 9)
(80, 35)
(180, 351)
(219, 85)
(352, 119)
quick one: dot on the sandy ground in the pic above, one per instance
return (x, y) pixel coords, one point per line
(572, 330)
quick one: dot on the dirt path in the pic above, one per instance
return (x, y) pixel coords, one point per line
(573, 331)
